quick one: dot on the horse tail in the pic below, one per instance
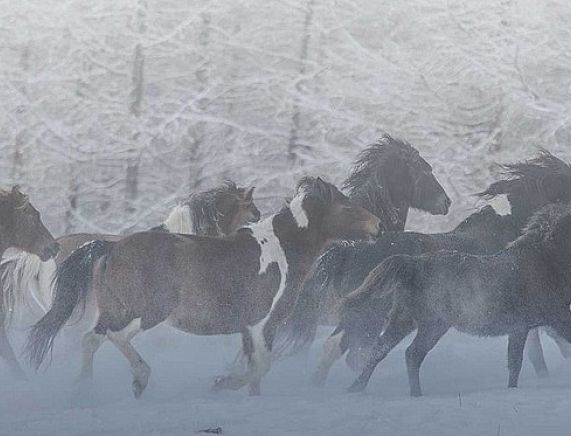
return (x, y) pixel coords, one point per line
(71, 287)
(394, 272)
(301, 326)
(21, 284)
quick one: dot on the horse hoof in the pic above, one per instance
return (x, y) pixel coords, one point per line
(138, 388)
(416, 394)
(222, 382)
(318, 380)
(543, 373)
(356, 387)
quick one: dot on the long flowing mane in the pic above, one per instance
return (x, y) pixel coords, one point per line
(532, 184)
(199, 213)
(529, 175)
(368, 183)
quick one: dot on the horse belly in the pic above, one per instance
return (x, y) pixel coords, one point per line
(203, 322)
(474, 311)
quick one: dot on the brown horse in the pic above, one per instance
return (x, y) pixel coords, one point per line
(27, 281)
(22, 228)
(245, 283)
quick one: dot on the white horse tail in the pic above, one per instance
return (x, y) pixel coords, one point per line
(26, 282)
(180, 220)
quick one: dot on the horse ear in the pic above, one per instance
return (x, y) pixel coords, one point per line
(20, 199)
(249, 193)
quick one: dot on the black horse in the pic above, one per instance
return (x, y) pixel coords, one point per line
(522, 287)
(390, 177)
(536, 182)
(483, 232)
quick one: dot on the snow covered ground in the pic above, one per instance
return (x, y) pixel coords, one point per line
(464, 384)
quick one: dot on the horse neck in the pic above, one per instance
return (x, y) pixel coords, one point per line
(385, 212)
(180, 220)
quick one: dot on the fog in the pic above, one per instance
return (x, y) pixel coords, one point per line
(111, 111)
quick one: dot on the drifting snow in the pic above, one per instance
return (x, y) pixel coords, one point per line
(464, 383)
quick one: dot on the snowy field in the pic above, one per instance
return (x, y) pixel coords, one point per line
(464, 385)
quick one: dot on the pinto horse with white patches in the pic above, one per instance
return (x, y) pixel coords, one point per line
(245, 283)
(27, 280)
(20, 227)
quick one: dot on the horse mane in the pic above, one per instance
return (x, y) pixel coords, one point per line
(317, 188)
(202, 207)
(527, 175)
(369, 184)
(542, 224)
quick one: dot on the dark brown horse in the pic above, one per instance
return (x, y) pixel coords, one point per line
(522, 287)
(27, 281)
(20, 227)
(246, 283)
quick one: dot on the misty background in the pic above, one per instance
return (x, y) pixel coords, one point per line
(111, 111)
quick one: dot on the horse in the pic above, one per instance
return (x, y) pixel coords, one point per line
(388, 178)
(530, 186)
(21, 227)
(244, 283)
(539, 181)
(524, 286)
(27, 281)
(483, 232)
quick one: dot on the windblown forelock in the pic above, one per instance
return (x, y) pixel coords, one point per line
(375, 156)
(318, 189)
(529, 176)
(204, 206)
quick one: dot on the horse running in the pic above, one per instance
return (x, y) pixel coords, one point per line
(20, 227)
(389, 178)
(27, 280)
(483, 232)
(244, 283)
(529, 185)
(522, 287)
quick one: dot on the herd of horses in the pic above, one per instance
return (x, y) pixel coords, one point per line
(327, 257)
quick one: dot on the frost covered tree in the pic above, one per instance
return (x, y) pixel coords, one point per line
(112, 110)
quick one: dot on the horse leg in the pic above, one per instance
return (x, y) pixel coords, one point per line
(6, 351)
(258, 356)
(90, 343)
(535, 353)
(427, 337)
(516, 344)
(397, 329)
(335, 346)
(139, 368)
(564, 346)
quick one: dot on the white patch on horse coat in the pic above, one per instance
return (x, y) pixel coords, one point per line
(501, 205)
(271, 252)
(297, 210)
(179, 220)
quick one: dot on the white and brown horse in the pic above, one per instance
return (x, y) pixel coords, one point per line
(20, 227)
(27, 280)
(245, 283)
